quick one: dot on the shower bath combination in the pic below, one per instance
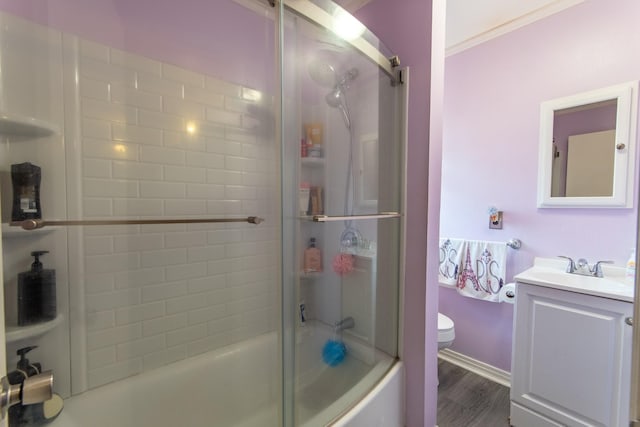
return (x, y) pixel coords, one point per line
(156, 143)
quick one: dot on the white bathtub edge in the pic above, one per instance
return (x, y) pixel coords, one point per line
(382, 407)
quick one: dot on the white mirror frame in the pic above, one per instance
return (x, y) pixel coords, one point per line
(626, 95)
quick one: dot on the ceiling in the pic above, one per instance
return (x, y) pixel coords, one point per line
(472, 22)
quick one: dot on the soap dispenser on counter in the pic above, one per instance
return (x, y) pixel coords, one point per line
(631, 267)
(36, 293)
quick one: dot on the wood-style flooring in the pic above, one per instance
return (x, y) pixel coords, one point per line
(466, 399)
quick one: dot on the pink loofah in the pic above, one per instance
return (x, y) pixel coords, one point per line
(343, 264)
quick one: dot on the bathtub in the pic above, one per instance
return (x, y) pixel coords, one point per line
(202, 391)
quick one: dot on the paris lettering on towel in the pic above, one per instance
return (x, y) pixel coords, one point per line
(476, 268)
(451, 251)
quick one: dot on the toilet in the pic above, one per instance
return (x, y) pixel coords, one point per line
(446, 331)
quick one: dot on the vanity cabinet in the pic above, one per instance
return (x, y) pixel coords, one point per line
(571, 359)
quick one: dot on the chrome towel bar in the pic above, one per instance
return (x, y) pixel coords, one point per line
(382, 215)
(514, 243)
(34, 224)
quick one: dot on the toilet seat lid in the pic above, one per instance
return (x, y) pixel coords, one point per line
(444, 323)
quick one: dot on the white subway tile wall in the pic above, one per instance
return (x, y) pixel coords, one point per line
(160, 141)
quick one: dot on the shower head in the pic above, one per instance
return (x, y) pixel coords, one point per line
(348, 77)
(335, 97)
(322, 73)
(325, 75)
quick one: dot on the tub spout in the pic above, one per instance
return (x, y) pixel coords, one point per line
(346, 323)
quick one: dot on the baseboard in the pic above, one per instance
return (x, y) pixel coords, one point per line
(477, 367)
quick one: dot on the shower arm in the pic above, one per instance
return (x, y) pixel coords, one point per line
(34, 224)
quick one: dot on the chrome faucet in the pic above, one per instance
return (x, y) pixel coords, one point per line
(346, 323)
(597, 268)
(571, 267)
(582, 267)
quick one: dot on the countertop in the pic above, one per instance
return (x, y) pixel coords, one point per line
(551, 273)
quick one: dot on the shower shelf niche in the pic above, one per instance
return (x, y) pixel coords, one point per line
(24, 126)
(18, 333)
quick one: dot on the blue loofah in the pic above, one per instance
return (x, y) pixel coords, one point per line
(334, 352)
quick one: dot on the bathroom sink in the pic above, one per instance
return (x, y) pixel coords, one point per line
(551, 273)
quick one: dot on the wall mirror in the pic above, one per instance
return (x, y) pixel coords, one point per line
(587, 149)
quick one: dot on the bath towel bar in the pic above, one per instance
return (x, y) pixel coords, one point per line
(34, 224)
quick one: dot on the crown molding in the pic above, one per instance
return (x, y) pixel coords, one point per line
(352, 5)
(512, 25)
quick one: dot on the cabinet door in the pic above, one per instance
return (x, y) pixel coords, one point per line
(571, 357)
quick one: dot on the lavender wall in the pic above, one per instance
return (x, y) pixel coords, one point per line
(406, 27)
(184, 33)
(491, 120)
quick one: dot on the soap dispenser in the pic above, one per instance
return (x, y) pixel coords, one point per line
(24, 368)
(312, 258)
(631, 267)
(36, 293)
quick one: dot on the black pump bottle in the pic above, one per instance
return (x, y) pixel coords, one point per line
(36, 293)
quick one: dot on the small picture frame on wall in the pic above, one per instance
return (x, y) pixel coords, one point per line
(495, 220)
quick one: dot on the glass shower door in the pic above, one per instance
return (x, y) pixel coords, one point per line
(342, 169)
(144, 117)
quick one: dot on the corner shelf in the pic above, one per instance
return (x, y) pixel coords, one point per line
(29, 127)
(18, 333)
(9, 231)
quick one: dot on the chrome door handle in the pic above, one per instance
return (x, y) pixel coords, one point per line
(628, 321)
(35, 389)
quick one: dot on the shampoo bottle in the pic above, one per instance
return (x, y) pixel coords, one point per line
(36, 293)
(312, 258)
(25, 178)
(304, 193)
